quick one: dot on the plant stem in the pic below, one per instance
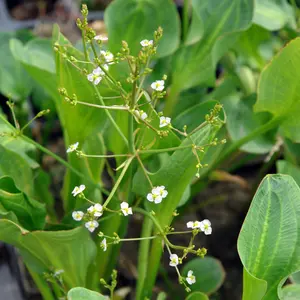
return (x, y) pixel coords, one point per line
(84, 46)
(110, 116)
(112, 107)
(144, 238)
(143, 257)
(185, 19)
(164, 150)
(236, 145)
(105, 156)
(127, 164)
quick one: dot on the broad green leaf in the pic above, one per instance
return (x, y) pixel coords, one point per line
(30, 213)
(44, 251)
(142, 18)
(197, 296)
(291, 292)
(274, 14)
(15, 166)
(285, 167)
(239, 111)
(278, 90)
(269, 244)
(14, 81)
(253, 288)
(80, 293)
(195, 64)
(209, 274)
(161, 296)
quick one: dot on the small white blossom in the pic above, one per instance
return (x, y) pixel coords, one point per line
(126, 210)
(101, 38)
(191, 279)
(161, 191)
(78, 189)
(146, 43)
(141, 114)
(157, 194)
(205, 226)
(108, 56)
(96, 76)
(96, 210)
(77, 215)
(91, 225)
(158, 85)
(73, 147)
(164, 121)
(173, 260)
(193, 225)
(103, 244)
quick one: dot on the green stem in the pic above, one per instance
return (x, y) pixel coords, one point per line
(143, 257)
(105, 156)
(41, 284)
(144, 238)
(111, 119)
(112, 107)
(164, 150)
(236, 145)
(84, 46)
(185, 19)
(127, 164)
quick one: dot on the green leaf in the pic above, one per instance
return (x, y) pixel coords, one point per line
(278, 90)
(274, 14)
(195, 64)
(285, 167)
(291, 292)
(239, 111)
(253, 288)
(15, 166)
(269, 244)
(142, 18)
(14, 81)
(209, 274)
(197, 296)
(80, 293)
(72, 251)
(30, 213)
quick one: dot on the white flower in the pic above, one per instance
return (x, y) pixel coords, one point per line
(158, 85)
(96, 210)
(173, 260)
(91, 225)
(161, 191)
(146, 43)
(77, 215)
(101, 38)
(108, 56)
(193, 225)
(191, 279)
(78, 189)
(164, 121)
(73, 147)
(141, 114)
(126, 210)
(103, 244)
(157, 194)
(96, 76)
(205, 226)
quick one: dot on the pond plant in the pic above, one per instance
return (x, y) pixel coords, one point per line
(149, 115)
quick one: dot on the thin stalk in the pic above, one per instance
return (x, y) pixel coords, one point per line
(113, 107)
(139, 239)
(143, 257)
(10, 105)
(84, 46)
(127, 164)
(105, 156)
(185, 19)
(164, 150)
(111, 119)
(30, 122)
(42, 285)
(144, 170)
(235, 146)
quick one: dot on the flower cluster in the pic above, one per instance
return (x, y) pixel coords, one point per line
(157, 194)
(97, 75)
(204, 226)
(95, 211)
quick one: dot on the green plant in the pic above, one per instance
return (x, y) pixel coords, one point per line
(143, 116)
